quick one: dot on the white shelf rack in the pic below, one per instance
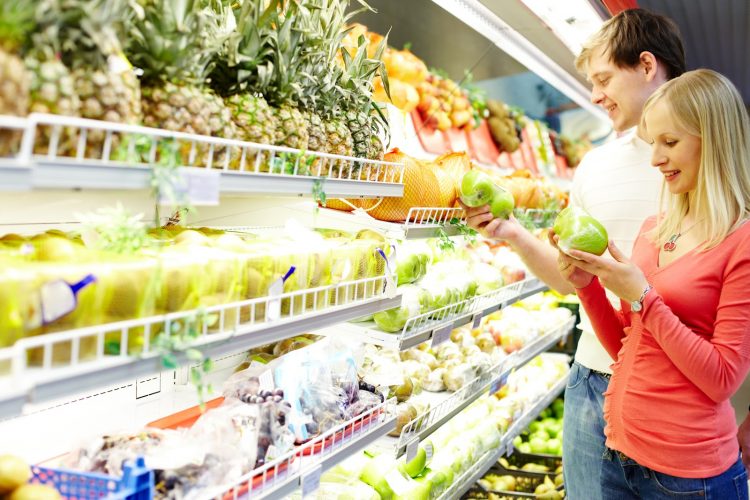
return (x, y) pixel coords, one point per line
(466, 480)
(421, 222)
(62, 152)
(236, 326)
(444, 406)
(283, 476)
(438, 324)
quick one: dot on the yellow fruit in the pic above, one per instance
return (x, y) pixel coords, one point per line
(35, 492)
(13, 473)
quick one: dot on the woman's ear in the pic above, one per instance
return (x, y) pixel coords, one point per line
(649, 65)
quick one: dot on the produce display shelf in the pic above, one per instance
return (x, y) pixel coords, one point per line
(219, 330)
(301, 466)
(61, 152)
(444, 406)
(436, 325)
(420, 222)
(464, 482)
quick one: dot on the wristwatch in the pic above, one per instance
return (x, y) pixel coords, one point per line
(637, 305)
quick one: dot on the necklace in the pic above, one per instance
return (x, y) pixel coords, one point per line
(671, 243)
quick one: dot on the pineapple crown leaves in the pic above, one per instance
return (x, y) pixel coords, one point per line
(16, 23)
(85, 33)
(175, 40)
(244, 61)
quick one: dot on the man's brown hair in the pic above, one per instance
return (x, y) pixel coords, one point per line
(633, 31)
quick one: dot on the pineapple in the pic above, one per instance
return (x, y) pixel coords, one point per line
(291, 127)
(16, 21)
(253, 117)
(88, 34)
(235, 76)
(316, 131)
(174, 44)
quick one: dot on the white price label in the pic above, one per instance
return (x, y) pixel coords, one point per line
(398, 483)
(498, 383)
(429, 450)
(476, 321)
(411, 449)
(202, 185)
(273, 309)
(441, 335)
(311, 481)
(389, 290)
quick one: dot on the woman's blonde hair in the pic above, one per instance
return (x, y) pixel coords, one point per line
(707, 105)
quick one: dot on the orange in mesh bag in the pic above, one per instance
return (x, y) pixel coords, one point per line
(421, 189)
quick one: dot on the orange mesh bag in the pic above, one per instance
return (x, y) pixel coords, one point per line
(421, 189)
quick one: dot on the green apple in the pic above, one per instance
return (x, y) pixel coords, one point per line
(502, 203)
(554, 445)
(477, 188)
(538, 445)
(578, 230)
(414, 466)
(374, 474)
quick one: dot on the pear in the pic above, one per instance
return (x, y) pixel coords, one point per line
(14, 472)
(35, 492)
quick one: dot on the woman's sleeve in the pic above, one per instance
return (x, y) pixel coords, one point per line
(716, 365)
(608, 322)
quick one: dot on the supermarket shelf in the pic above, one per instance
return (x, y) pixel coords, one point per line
(445, 406)
(473, 474)
(437, 325)
(286, 474)
(88, 366)
(122, 155)
(421, 222)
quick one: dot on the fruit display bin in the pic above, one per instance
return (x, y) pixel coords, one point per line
(71, 152)
(87, 365)
(284, 475)
(467, 480)
(137, 482)
(444, 406)
(436, 325)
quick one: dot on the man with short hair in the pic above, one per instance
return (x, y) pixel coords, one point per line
(630, 56)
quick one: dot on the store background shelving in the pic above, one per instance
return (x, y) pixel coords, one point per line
(466, 480)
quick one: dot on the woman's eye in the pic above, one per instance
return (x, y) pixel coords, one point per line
(670, 143)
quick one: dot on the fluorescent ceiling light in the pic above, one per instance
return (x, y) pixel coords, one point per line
(488, 24)
(573, 21)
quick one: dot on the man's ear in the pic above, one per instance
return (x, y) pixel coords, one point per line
(649, 65)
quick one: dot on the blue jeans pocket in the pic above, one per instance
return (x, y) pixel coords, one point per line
(577, 375)
(740, 482)
(678, 486)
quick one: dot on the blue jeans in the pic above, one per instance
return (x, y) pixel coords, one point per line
(623, 478)
(583, 429)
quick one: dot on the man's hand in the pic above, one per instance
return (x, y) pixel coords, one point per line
(481, 219)
(743, 436)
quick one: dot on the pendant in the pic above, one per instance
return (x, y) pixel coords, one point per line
(671, 243)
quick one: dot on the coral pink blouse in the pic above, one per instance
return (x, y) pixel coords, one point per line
(680, 359)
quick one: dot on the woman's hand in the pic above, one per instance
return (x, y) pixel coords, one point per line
(566, 265)
(620, 276)
(481, 219)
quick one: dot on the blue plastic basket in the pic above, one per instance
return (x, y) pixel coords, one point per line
(137, 482)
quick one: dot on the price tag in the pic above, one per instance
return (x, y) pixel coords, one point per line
(311, 481)
(59, 298)
(441, 335)
(429, 450)
(198, 186)
(398, 483)
(273, 309)
(202, 185)
(498, 383)
(411, 449)
(476, 321)
(389, 290)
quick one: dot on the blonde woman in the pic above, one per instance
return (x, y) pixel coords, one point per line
(682, 340)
